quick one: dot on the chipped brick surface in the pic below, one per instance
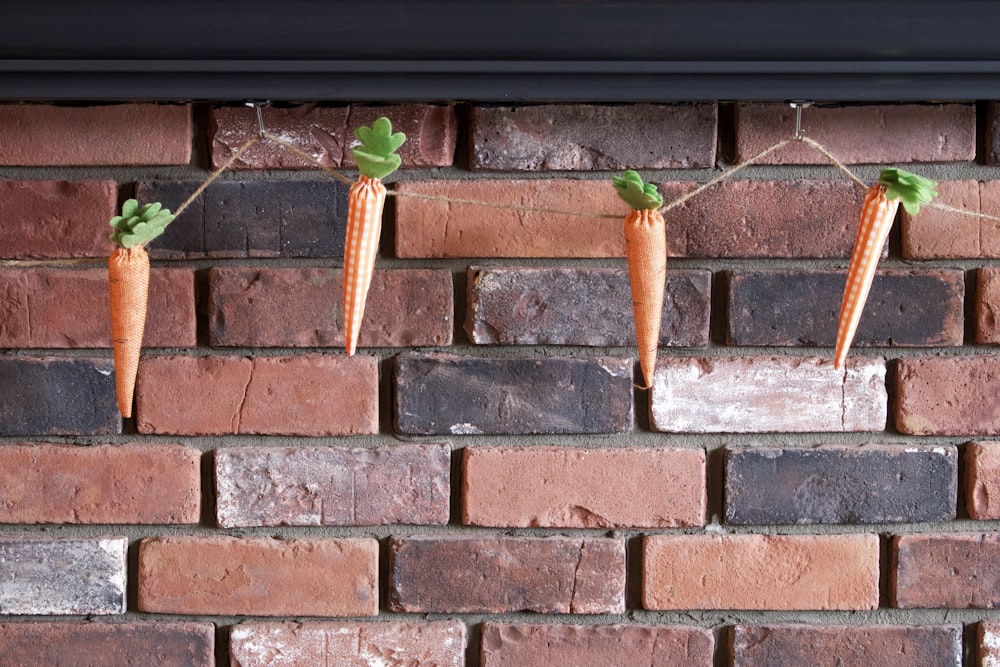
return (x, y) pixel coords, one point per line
(987, 306)
(56, 219)
(764, 394)
(554, 575)
(982, 480)
(948, 395)
(988, 643)
(258, 576)
(325, 486)
(572, 487)
(760, 572)
(954, 571)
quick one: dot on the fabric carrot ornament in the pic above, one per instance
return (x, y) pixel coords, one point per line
(646, 251)
(376, 158)
(878, 211)
(128, 285)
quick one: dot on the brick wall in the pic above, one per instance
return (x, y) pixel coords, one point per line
(483, 484)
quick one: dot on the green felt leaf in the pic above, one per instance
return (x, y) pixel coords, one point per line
(910, 189)
(138, 225)
(376, 156)
(635, 192)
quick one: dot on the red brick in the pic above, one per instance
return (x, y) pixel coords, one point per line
(417, 644)
(258, 576)
(144, 483)
(250, 307)
(218, 395)
(327, 486)
(557, 137)
(948, 395)
(553, 575)
(936, 234)
(115, 134)
(982, 480)
(846, 645)
(765, 394)
(861, 134)
(954, 571)
(56, 219)
(538, 645)
(162, 643)
(68, 308)
(327, 134)
(987, 305)
(988, 643)
(989, 230)
(573, 487)
(780, 572)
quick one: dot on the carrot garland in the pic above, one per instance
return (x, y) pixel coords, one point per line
(646, 251)
(376, 158)
(878, 211)
(128, 285)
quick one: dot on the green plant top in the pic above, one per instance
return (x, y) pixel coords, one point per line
(910, 189)
(138, 225)
(637, 194)
(376, 156)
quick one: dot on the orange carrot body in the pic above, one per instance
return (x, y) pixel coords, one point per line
(364, 226)
(877, 214)
(128, 284)
(646, 251)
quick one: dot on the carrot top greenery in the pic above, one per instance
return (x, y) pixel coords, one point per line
(138, 225)
(910, 189)
(635, 192)
(376, 156)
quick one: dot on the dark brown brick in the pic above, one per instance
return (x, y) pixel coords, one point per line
(57, 396)
(860, 134)
(576, 306)
(987, 306)
(538, 645)
(327, 134)
(250, 307)
(954, 571)
(556, 137)
(62, 576)
(56, 219)
(948, 395)
(327, 486)
(993, 133)
(440, 394)
(831, 484)
(846, 645)
(162, 643)
(554, 575)
(787, 307)
(251, 219)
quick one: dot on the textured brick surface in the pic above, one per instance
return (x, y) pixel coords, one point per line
(450, 394)
(936, 234)
(982, 480)
(578, 306)
(327, 134)
(993, 133)
(987, 306)
(988, 643)
(572, 487)
(788, 307)
(541, 645)
(948, 395)
(760, 572)
(258, 576)
(303, 395)
(588, 136)
(57, 396)
(55, 219)
(162, 643)
(250, 307)
(53, 308)
(954, 571)
(879, 134)
(325, 486)
(251, 219)
(846, 645)
(424, 644)
(830, 484)
(556, 575)
(62, 576)
(763, 394)
(142, 483)
(111, 134)
(989, 230)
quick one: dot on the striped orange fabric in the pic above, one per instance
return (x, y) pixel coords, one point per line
(128, 287)
(877, 215)
(364, 226)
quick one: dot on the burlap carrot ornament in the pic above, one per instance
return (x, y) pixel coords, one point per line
(376, 158)
(128, 285)
(646, 251)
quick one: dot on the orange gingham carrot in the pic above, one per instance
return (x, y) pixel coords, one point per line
(128, 285)
(364, 226)
(646, 251)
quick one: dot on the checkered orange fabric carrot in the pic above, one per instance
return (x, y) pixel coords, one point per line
(878, 211)
(376, 158)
